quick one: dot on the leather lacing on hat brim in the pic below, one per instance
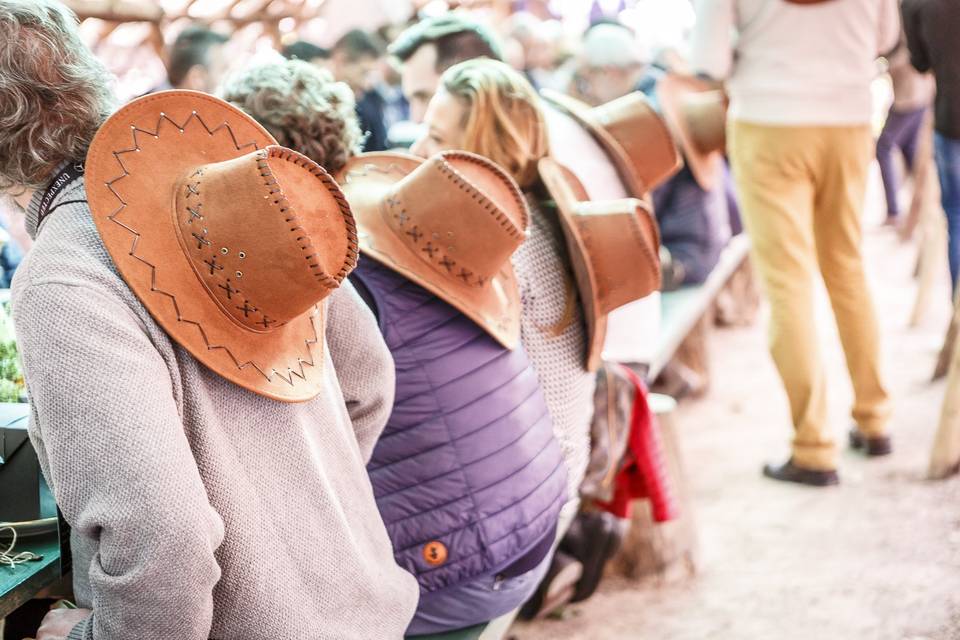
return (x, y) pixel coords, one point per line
(310, 342)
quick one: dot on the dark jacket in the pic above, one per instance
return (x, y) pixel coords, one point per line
(933, 35)
(694, 224)
(370, 113)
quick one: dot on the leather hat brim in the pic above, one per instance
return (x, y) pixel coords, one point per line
(583, 271)
(582, 113)
(591, 234)
(671, 92)
(367, 180)
(133, 167)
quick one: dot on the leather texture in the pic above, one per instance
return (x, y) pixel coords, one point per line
(614, 248)
(450, 224)
(633, 134)
(230, 241)
(696, 113)
(468, 462)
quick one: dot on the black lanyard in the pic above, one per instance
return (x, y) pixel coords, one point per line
(71, 172)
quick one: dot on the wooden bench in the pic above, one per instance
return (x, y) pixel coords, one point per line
(682, 310)
(24, 581)
(669, 550)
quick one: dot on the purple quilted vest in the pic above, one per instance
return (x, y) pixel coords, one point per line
(468, 458)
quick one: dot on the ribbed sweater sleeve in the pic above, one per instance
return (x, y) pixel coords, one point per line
(363, 364)
(119, 463)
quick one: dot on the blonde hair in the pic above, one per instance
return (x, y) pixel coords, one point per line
(303, 108)
(504, 121)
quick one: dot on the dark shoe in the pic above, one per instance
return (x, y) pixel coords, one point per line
(593, 539)
(556, 589)
(789, 472)
(872, 447)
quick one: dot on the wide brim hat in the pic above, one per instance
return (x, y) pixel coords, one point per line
(449, 224)
(230, 242)
(632, 133)
(613, 247)
(696, 112)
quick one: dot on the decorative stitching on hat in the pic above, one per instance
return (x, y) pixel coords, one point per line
(504, 324)
(433, 252)
(308, 343)
(458, 179)
(203, 241)
(350, 259)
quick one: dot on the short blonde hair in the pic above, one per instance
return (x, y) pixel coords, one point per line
(303, 108)
(504, 120)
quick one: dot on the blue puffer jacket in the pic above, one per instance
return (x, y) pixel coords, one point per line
(467, 474)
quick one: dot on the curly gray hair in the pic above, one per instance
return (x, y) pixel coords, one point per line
(303, 108)
(54, 93)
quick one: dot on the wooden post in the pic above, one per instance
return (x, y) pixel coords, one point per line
(922, 172)
(945, 457)
(739, 302)
(946, 352)
(668, 549)
(933, 248)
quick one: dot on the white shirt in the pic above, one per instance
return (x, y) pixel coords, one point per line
(790, 64)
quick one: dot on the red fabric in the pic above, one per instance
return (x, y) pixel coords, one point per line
(643, 473)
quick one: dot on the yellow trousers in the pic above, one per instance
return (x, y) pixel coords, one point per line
(801, 193)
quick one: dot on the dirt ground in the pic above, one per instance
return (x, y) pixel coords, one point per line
(877, 558)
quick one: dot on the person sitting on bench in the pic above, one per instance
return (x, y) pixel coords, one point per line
(694, 228)
(467, 473)
(203, 398)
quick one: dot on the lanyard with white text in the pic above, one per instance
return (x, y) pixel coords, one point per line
(71, 172)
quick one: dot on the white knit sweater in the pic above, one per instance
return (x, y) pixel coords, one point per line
(201, 510)
(543, 272)
(795, 65)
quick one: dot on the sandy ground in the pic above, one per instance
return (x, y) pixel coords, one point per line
(877, 558)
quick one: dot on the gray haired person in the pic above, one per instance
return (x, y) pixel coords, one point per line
(199, 508)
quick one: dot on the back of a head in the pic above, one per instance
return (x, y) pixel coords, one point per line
(303, 108)
(190, 49)
(504, 121)
(456, 38)
(55, 94)
(356, 44)
(609, 44)
(306, 51)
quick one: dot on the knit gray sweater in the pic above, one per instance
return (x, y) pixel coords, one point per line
(199, 509)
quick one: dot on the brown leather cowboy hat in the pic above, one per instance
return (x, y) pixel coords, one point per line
(696, 112)
(633, 134)
(448, 224)
(228, 240)
(614, 249)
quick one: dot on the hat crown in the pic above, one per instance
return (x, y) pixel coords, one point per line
(619, 237)
(461, 214)
(706, 115)
(643, 135)
(611, 251)
(265, 254)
